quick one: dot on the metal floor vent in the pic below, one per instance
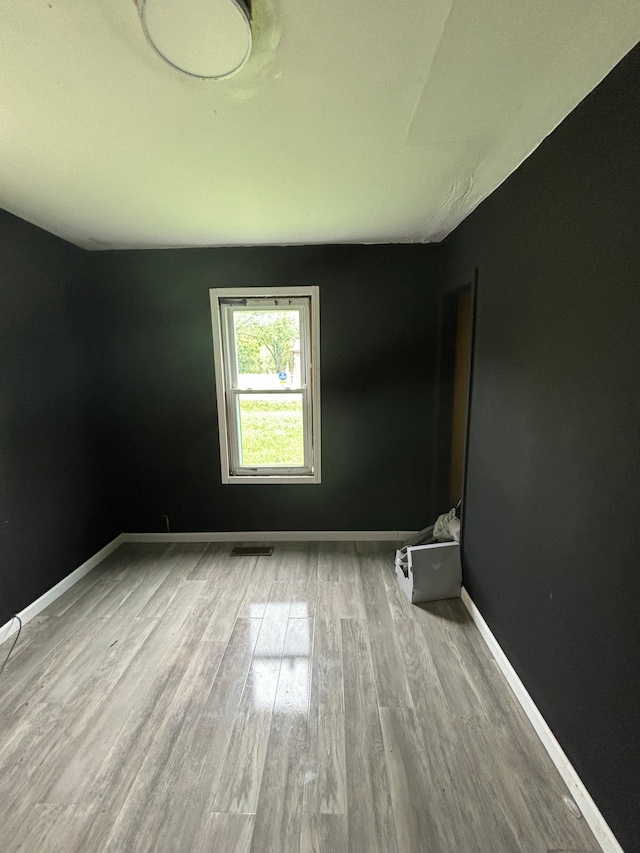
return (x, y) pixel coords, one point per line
(251, 551)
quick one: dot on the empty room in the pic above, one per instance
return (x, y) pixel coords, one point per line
(380, 266)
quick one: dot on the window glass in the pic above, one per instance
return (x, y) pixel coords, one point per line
(267, 348)
(271, 430)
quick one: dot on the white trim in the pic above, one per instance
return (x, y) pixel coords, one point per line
(591, 813)
(272, 479)
(216, 330)
(255, 292)
(274, 536)
(9, 628)
(37, 606)
(314, 379)
(583, 799)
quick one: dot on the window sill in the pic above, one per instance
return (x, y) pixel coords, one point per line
(273, 480)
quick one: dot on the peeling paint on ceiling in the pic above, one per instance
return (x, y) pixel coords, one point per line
(361, 122)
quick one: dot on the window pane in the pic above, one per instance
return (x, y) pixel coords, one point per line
(267, 348)
(271, 430)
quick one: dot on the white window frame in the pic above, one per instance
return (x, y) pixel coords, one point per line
(227, 392)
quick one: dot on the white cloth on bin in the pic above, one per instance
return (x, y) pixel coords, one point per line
(447, 527)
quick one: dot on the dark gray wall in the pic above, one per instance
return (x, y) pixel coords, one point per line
(53, 513)
(378, 351)
(552, 532)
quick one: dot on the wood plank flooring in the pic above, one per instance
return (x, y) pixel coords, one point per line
(178, 699)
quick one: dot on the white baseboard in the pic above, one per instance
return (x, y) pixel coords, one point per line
(591, 813)
(275, 536)
(10, 627)
(583, 799)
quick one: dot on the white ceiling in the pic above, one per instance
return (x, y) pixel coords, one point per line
(362, 121)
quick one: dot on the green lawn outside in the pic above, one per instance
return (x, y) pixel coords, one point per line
(272, 432)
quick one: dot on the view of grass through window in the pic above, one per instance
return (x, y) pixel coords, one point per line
(271, 431)
(268, 359)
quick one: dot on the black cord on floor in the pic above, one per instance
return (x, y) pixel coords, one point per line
(13, 645)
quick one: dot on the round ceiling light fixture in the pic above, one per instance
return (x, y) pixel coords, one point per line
(209, 39)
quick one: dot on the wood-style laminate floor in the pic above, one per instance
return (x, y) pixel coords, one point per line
(178, 699)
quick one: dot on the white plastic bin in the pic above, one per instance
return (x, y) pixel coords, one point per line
(433, 572)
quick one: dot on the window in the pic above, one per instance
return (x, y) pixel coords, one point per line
(267, 362)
